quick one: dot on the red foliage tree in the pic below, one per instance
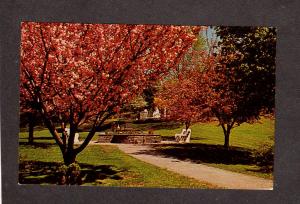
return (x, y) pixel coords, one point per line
(199, 90)
(218, 96)
(235, 84)
(182, 94)
(177, 98)
(213, 96)
(84, 73)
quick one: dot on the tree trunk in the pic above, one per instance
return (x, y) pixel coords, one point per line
(31, 124)
(69, 157)
(72, 176)
(187, 125)
(226, 143)
(226, 132)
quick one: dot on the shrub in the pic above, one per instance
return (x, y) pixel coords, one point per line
(264, 157)
(61, 174)
(74, 174)
(69, 175)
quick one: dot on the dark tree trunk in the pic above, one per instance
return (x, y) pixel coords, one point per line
(30, 134)
(72, 176)
(187, 125)
(226, 142)
(69, 157)
(31, 124)
(226, 132)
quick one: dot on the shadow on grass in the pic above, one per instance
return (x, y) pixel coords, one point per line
(40, 138)
(37, 172)
(204, 153)
(36, 128)
(37, 145)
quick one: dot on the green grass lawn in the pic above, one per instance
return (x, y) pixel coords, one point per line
(246, 135)
(42, 135)
(206, 147)
(101, 165)
(249, 136)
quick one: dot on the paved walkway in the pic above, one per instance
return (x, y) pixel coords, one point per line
(215, 176)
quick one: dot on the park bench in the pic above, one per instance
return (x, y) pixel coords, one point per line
(184, 136)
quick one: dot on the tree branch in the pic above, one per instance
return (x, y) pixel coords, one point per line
(91, 133)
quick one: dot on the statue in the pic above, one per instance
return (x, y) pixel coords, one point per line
(144, 114)
(156, 113)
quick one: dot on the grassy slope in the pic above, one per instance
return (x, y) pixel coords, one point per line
(246, 135)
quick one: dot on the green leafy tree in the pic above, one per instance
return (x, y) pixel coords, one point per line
(247, 67)
(148, 95)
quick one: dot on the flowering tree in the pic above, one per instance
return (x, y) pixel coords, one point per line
(182, 94)
(84, 73)
(177, 97)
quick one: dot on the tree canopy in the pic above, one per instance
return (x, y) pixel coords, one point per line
(79, 73)
(231, 79)
(247, 67)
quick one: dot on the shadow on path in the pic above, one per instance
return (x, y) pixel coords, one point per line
(203, 153)
(172, 156)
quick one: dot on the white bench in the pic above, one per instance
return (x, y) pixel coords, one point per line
(184, 136)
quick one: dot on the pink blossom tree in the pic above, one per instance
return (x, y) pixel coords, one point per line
(84, 73)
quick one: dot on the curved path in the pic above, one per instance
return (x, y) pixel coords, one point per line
(219, 177)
